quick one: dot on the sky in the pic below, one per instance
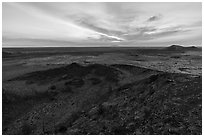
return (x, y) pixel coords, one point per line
(101, 24)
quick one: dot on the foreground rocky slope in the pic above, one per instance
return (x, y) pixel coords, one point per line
(147, 107)
(102, 99)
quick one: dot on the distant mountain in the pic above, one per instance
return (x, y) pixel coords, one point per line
(175, 47)
(178, 47)
(192, 47)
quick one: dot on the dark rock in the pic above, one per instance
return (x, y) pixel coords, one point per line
(53, 87)
(62, 129)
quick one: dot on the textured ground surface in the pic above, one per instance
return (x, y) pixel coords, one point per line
(140, 92)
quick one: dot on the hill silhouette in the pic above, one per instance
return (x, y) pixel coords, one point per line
(179, 47)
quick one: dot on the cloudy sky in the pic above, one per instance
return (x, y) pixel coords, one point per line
(101, 24)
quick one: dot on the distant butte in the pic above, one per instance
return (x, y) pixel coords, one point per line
(178, 47)
(175, 47)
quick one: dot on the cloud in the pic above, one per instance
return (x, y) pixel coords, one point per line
(101, 22)
(154, 18)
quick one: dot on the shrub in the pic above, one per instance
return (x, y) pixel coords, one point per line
(53, 87)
